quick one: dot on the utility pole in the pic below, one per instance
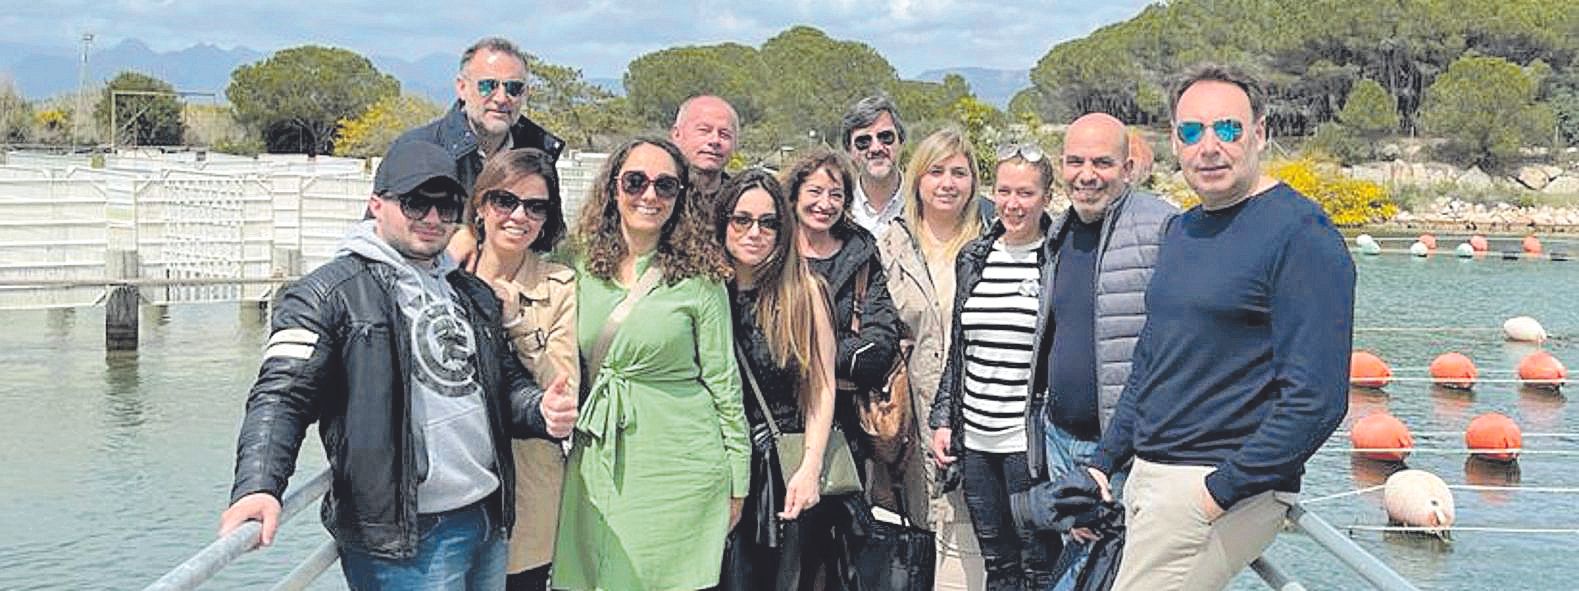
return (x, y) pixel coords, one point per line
(82, 92)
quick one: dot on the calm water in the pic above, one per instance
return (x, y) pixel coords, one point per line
(111, 472)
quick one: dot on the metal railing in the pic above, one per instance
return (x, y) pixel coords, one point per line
(222, 552)
(216, 556)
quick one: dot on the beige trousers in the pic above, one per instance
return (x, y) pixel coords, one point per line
(1170, 545)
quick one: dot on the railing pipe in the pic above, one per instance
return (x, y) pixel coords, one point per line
(1370, 568)
(1274, 576)
(310, 569)
(219, 554)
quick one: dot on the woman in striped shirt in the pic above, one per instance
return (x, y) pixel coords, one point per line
(979, 413)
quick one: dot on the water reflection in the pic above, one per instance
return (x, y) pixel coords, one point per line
(58, 322)
(1483, 472)
(125, 407)
(1367, 472)
(1364, 402)
(1451, 406)
(1541, 408)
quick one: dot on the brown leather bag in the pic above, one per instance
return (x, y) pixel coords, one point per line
(885, 412)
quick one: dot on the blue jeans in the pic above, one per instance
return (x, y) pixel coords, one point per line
(462, 550)
(1065, 453)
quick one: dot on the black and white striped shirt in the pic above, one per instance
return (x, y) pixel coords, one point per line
(999, 323)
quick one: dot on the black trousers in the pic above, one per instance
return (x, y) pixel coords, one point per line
(1016, 559)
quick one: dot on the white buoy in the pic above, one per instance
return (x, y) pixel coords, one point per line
(1419, 249)
(1464, 250)
(1364, 239)
(1524, 329)
(1417, 498)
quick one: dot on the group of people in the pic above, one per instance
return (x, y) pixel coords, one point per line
(510, 402)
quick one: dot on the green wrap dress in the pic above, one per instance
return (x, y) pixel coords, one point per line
(660, 445)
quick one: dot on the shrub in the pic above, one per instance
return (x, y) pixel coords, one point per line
(1347, 201)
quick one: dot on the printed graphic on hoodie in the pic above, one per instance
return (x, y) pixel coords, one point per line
(444, 344)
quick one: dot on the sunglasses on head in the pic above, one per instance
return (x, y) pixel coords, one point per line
(1029, 152)
(1227, 130)
(864, 141)
(512, 88)
(742, 223)
(505, 202)
(415, 206)
(634, 183)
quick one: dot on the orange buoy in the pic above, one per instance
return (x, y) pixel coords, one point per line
(1454, 370)
(1381, 431)
(1495, 432)
(1543, 369)
(1366, 370)
(1419, 499)
(1479, 243)
(1532, 245)
(1429, 240)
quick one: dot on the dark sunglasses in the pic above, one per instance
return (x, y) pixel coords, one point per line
(512, 88)
(634, 183)
(415, 206)
(742, 223)
(1227, 130)
(505, 202)
(1030, 153)
(864, 141)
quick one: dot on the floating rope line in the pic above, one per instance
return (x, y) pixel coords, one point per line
(1427, 329)
(1426, 369)
(1450, 253)
(1345, 433)
(1450, 451)
(1471, 487)
(1351, 493)
(1464, 528)
(1451, 381)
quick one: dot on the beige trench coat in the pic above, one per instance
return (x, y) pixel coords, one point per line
(546, 344)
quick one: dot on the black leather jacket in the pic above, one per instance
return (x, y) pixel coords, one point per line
(339, 356)
(455, 135)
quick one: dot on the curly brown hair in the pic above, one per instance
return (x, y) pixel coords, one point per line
(685, 244)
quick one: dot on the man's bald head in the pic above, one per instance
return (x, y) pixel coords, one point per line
(1100, 128)
(1095, 165)
(704, 129)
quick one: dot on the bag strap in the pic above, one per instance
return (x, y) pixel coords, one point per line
(751, 376)
(860, 296)
(643, 286)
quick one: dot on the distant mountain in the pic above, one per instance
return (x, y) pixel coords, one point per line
(41, 72)
(990, 85)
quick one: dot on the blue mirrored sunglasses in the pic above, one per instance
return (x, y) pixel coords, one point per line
(513, 88)
(1227, 130)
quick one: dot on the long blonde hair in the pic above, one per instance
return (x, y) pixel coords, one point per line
(942, 145)
(787, 289)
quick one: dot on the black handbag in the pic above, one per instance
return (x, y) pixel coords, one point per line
(891, 556)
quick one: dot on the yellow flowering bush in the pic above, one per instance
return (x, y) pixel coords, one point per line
(1347, 201)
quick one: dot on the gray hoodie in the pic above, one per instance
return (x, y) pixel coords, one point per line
(454, 447)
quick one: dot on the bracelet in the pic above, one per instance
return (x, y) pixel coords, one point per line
(514, 322)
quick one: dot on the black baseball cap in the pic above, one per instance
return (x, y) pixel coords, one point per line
(412, 164)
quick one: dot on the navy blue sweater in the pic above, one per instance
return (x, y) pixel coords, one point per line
(1244, 361)
(1072, 363)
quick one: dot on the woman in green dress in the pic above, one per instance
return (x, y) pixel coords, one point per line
(660, 463)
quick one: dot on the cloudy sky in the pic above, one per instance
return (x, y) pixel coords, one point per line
(598, 36)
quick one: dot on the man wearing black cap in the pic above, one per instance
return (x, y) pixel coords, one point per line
(401, 360)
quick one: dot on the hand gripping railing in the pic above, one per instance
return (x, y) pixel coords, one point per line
(225, 550)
